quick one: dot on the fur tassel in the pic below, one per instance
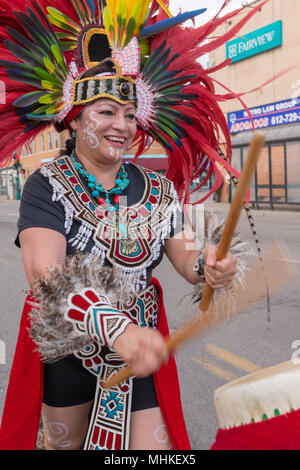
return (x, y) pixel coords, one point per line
(54, 335)
(223, 298)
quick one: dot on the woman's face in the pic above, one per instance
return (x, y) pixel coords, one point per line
(105, 129)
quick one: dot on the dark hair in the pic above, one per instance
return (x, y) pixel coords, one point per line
(69, 147)
(106, 66)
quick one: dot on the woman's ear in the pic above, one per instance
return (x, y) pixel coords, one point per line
(74, 124)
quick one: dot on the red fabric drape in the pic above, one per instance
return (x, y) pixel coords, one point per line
(22, 410)
(167, 389)
(23, 402)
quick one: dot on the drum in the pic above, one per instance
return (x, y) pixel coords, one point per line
(260, 411)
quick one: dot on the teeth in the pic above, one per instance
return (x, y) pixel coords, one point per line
(121, 140)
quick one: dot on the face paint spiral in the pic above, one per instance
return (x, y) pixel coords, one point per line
(90, 136)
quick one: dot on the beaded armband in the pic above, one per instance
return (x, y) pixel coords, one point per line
(199, 266)
(95, 316)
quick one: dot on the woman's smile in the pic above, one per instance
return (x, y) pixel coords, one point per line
(117, 141)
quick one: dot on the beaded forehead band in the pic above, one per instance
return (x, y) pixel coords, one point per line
(118, 87)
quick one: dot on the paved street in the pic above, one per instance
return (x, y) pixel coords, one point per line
(242, 345)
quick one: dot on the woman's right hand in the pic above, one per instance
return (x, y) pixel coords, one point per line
(143, 349)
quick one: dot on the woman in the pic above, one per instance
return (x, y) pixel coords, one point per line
(143, 349)
(118, 215)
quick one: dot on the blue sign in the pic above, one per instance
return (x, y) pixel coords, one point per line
(268, 115)
(254, 43)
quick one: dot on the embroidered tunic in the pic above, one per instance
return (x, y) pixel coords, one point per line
(149, 213)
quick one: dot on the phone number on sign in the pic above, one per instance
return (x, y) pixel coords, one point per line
(263, 122)
(285, 119)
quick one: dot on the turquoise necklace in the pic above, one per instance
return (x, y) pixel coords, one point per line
(97, 188)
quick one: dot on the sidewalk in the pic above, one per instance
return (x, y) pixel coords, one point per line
(264, 211)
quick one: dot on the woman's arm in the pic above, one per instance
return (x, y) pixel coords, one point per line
(144, 350)
(42, 248)
(182, 253)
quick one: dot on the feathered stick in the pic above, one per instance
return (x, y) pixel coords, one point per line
(240, 196)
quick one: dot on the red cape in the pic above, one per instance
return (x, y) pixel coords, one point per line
(22, 410)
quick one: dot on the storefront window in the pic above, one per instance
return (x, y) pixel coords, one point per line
(293, 171)
(278, 174)
(263, 177)
(252, 185)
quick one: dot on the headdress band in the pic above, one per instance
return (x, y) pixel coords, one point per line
(120, 89)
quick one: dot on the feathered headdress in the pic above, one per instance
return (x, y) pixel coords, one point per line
(51, 53)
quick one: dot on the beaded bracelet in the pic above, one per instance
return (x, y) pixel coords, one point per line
(199, 266)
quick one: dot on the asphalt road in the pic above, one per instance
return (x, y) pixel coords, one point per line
(243, 344)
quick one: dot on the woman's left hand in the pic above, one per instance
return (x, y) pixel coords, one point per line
(218, 273)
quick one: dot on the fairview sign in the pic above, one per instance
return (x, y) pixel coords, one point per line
(254, 43)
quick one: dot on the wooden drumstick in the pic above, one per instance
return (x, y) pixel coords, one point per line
(199, 322)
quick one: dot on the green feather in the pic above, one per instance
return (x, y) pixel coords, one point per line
(160, 138)
(165, 128)
(39, 110)
(79, 12)
(130, 29)
(28, 99)
(44, 75)
(144, 46)
(174, 114)
(68, 36)
(53, 109)
(52, 69)
(60, 59)
(68, 46)
(50, 86)
(50, 98)
(22, 54)
(172, 126)
(62, 21)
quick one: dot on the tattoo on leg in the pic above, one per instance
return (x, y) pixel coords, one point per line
(161, 435)
(58, 434)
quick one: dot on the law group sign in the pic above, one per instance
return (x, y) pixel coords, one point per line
(269, 115)
(254, 43)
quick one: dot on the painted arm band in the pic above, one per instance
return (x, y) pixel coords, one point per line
(93, 314)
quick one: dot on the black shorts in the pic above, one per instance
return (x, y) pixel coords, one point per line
(68, 383)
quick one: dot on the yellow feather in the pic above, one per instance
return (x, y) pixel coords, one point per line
(165, 8)
(126, 10)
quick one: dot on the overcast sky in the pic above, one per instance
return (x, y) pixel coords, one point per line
(211, 5)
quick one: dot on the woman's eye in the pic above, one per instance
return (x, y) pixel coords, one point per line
(131, 117)
(106, 112)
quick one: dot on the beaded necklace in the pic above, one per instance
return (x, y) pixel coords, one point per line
(97, 188)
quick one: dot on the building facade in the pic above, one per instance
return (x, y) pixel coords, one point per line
(265, 58)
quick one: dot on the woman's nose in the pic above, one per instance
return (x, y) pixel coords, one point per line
(120, 122)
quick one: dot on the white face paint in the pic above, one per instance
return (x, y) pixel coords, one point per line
(58, 434)
(116, 153)
(89, 132)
